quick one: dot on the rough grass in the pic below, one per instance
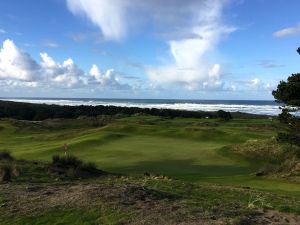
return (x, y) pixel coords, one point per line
(279, 159)
(37, 198)
(7, 172)
(8, 169)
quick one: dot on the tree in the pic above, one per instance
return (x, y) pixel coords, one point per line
(224, 115)
(288, 93)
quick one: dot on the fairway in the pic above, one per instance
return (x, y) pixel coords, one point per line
(187, 149)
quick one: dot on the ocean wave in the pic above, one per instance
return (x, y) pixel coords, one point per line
(265, 109)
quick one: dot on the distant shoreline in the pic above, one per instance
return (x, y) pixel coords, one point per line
(260, 107)
(138, 99)
(42, 111)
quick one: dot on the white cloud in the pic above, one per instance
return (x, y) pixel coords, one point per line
(190, 66)
(269, 64)
(103, 79)
(66, 73)
(51, 44)
(2, 31)
(17, 83)
(107, 79)
(16, 64)
(79, 37)
(106, 14)
(255, 83)
(18, 69)
(290, 31)
(193, 29)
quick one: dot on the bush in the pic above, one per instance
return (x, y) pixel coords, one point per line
(224, 115)
(288, 138)
(4, 155)
(66, 161)
(89, 167)
(71, 166)
(7, 172)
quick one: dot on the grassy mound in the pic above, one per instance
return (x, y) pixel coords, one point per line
(279, 158)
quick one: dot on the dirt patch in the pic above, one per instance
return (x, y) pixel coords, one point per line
(270, 217)
(34, 198)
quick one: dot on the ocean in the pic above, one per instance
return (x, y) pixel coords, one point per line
(254, 107)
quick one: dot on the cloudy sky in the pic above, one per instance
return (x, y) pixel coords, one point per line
(192, 49)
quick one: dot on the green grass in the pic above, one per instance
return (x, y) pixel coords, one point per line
(187, 149)
(102, 215)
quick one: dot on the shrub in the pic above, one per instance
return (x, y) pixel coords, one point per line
(7, 172)
(88, 167)
(288, 138)
(66, 161)
(4, 155)
(224, 115)
(71, 166)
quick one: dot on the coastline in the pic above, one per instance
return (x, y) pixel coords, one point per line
(262, 107)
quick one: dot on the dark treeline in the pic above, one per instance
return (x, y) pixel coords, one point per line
(28, 111)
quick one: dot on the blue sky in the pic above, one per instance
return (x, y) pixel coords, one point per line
(193, 49)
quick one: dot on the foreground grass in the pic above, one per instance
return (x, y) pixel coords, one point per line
(186, 149)
(39, 197)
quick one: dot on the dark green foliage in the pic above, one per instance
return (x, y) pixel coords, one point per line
(7, 172)
(28, 111)
(288, 93)
(291, 138)
(224, 115)
(71, 166)
(4, 155)
(66, 162)
(293, 123)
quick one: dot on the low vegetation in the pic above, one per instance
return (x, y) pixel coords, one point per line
(8, 169)
(34, 197)
(277, 159)
(70, 166)
(5, 156)
(7, 172)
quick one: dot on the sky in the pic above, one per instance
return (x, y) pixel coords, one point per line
(158, 49)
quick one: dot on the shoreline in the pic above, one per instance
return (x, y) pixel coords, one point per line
(40, 111)
(267, 108)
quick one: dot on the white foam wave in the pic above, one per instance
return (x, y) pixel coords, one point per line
(271, 110)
